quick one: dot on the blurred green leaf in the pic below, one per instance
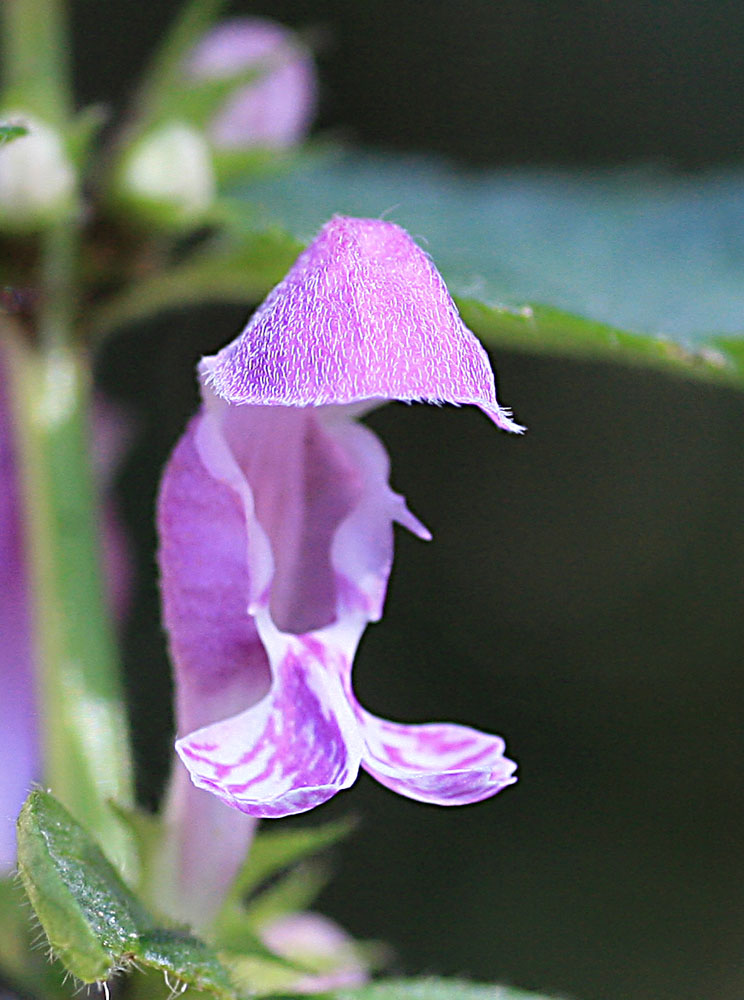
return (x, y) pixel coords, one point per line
(434, 989)
(83, 131)
(648, 263)
(35, 59)
(198, 101)
(86, 764)
(293, 892)
(544, 330)
(258, 895)
(163, 82)
(261, 977)
(93, 921)
(22, 965)
(275, 850)
(239, 271)
(10, 132)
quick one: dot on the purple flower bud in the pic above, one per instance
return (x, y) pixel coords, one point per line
(276, 532)
(317, 943)
(273, 111)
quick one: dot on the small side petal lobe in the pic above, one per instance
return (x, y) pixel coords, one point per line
(440, 762)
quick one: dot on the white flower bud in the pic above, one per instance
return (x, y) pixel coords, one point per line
(169, 175)
(37, 179)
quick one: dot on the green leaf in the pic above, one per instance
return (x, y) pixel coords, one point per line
(88, 914)
(292, 893)
(198, 101)
(544, 330)
(83, 132)
(35, 59)
(434, 989)
(93, 921)
(260, 976)
(10, 132)
(22, 965)
(652, 262)
(275, 851)
(85, 764)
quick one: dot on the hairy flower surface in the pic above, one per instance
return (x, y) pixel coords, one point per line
(276, 528)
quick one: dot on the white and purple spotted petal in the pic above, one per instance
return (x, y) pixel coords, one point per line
(295, 748)
(440, 762)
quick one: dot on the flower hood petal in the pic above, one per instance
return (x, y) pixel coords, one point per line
(363, 314)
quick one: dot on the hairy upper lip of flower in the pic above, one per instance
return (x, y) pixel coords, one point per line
(276, 531)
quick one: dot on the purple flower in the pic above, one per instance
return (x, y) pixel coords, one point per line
(273, 111)
(276, 532)
(19, 721)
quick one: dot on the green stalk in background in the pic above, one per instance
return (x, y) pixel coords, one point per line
(83, 720)
(35, 59)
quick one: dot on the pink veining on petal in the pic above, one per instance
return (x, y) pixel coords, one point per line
(294, 749)
(438, 763)
(363, 314)
(276, 109)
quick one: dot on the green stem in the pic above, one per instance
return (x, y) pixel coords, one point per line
(35, 58)
(83, 720)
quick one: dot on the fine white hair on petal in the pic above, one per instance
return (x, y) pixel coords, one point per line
(363, 314)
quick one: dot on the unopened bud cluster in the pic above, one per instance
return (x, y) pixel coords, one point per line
(169, 174)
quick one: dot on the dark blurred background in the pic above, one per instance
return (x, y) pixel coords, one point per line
(583, 593)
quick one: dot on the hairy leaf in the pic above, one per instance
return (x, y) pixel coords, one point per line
(94, 923)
